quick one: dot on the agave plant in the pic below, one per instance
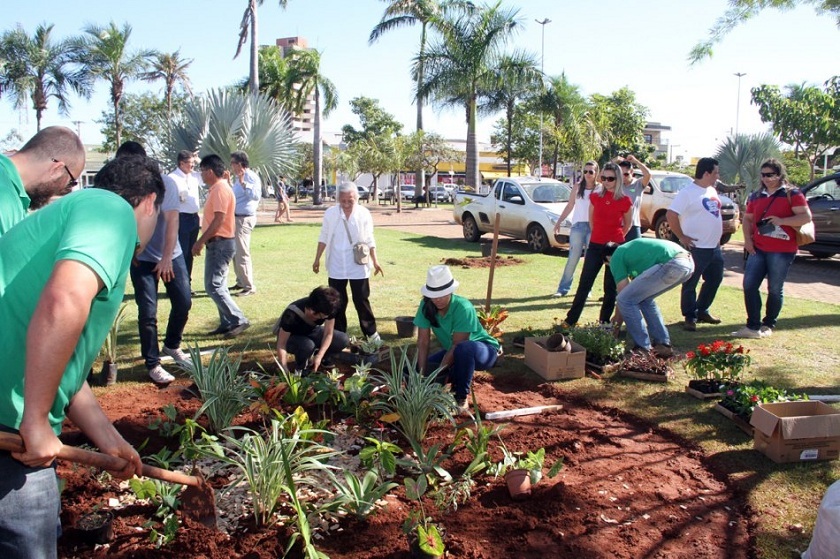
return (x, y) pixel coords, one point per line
(224, 392)
(222, 121)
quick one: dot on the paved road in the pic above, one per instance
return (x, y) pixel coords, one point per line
(809, 278)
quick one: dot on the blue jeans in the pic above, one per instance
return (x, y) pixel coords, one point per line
(771, 265)
(303, 347)
(468, 357)
(188, 228)
(634, 233)
(219, 255)
(708, 264)
(637, 301)
(29, 508)
(592, 264)
(145, 283)
(578, 239)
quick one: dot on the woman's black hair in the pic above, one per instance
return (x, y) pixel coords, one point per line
(430, 311)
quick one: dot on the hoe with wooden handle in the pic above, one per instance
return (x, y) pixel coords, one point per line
(198, 501)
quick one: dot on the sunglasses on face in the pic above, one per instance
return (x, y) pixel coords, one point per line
(73, 182)
(605, 178)
(768, 175)
(626, 174)
(588, 172)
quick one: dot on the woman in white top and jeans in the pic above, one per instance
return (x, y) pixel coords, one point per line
(578, 206)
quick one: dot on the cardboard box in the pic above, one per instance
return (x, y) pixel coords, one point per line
(554, 365)
(796, 431)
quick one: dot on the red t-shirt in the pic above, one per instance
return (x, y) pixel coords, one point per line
(608, 217)
(781, 239)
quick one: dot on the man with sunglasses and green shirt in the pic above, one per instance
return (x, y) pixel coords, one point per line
(48, 165)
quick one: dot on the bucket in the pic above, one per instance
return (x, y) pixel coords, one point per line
(406, 327)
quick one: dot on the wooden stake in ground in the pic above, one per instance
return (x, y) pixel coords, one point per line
(492, 262)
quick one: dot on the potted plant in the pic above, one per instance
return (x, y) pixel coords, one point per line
(491, 318)
(739, 401)
(645, 365)
(715, 368)
(522, 470)
(368, 350)
(424, 536)
(602, 347)
(108, 375)
(96, 526)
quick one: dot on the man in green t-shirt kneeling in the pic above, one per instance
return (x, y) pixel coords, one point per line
(644, 269)
(63, 271)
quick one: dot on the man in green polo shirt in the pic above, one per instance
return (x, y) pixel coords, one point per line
(62, 277)
(48, 165)
(644, 269)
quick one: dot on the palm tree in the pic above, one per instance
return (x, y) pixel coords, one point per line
(172, 69)
(224, 121)
(247, 26)
(37, 68)
(516, 77)
(304, 78)
(461, 64)
(741, 156)
(104, 55)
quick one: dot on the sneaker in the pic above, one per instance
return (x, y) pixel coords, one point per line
(236, 287)
(463, 408)
(663, 351)
(218, 331)
(246, 293)
(178, 355)
(766, 331)
(236, 330)
(558, 294)
(690, 325)
(374, 337)
(707, 318)
(746, 332)
(159, 375)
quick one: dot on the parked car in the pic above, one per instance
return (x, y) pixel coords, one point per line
(662, 190)
(330, 191)
(440, 194)
(823, 195)
(407, 192)
(387, 193)
(529, 208)
(364, 192)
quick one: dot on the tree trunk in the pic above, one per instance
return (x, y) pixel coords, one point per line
(419, 174)
(509, 133)
(254, 79)
(472, 146)
(317, 157)
(117, 127)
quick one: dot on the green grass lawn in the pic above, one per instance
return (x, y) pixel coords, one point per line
(802, 355)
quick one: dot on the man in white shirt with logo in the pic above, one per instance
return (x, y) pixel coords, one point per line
(694, 217)
(189, 224)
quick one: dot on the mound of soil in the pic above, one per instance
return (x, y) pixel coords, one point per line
(627, 490)
(482, 261)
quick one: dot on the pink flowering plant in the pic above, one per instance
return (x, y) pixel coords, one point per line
(718, 361)
(743, 398)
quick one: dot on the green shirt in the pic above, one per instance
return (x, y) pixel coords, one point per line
(459, 317)
(634, 257)
(92, 226)
(14, 201)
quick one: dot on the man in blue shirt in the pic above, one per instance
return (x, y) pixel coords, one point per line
(247, 188)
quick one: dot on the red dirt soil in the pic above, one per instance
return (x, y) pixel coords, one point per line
(628, 490)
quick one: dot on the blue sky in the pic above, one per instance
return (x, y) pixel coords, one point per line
(601, 46)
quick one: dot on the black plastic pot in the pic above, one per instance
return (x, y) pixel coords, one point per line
(96, 527)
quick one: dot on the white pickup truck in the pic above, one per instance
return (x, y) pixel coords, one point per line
(529, 208)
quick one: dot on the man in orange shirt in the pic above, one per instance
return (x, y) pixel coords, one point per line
(218, 237)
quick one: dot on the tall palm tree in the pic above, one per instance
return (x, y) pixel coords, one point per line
(37, 68)
(741, 156)
(516, 77)
(571, 126)
(460, 65)
(172, 69)
(247, 26)
(304, 78)
(105, 55)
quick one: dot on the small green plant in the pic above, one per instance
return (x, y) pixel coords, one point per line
(600, 344)
(297, 387)
(358, 390)
(477, 440)
(109, 348)
(359, 496)
(491, 319)
(533, 462)
(412, 400)
(719, 361)
(368, 346)
(381, 455)
(419, 526)
(167, 426)
(225, 392)
(165, 496)
(743, 398)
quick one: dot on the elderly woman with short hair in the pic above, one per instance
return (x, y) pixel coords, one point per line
(345, 225)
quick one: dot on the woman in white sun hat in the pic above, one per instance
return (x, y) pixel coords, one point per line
(466, 344)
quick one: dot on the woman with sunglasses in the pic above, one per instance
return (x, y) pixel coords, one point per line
(578, 207)
(610, 217)
(770, 241)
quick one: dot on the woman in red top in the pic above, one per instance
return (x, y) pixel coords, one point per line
(770, 241)
(610, 217)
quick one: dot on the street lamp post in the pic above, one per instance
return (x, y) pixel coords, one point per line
(542, 71)
(671, 149)
(738, 101)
